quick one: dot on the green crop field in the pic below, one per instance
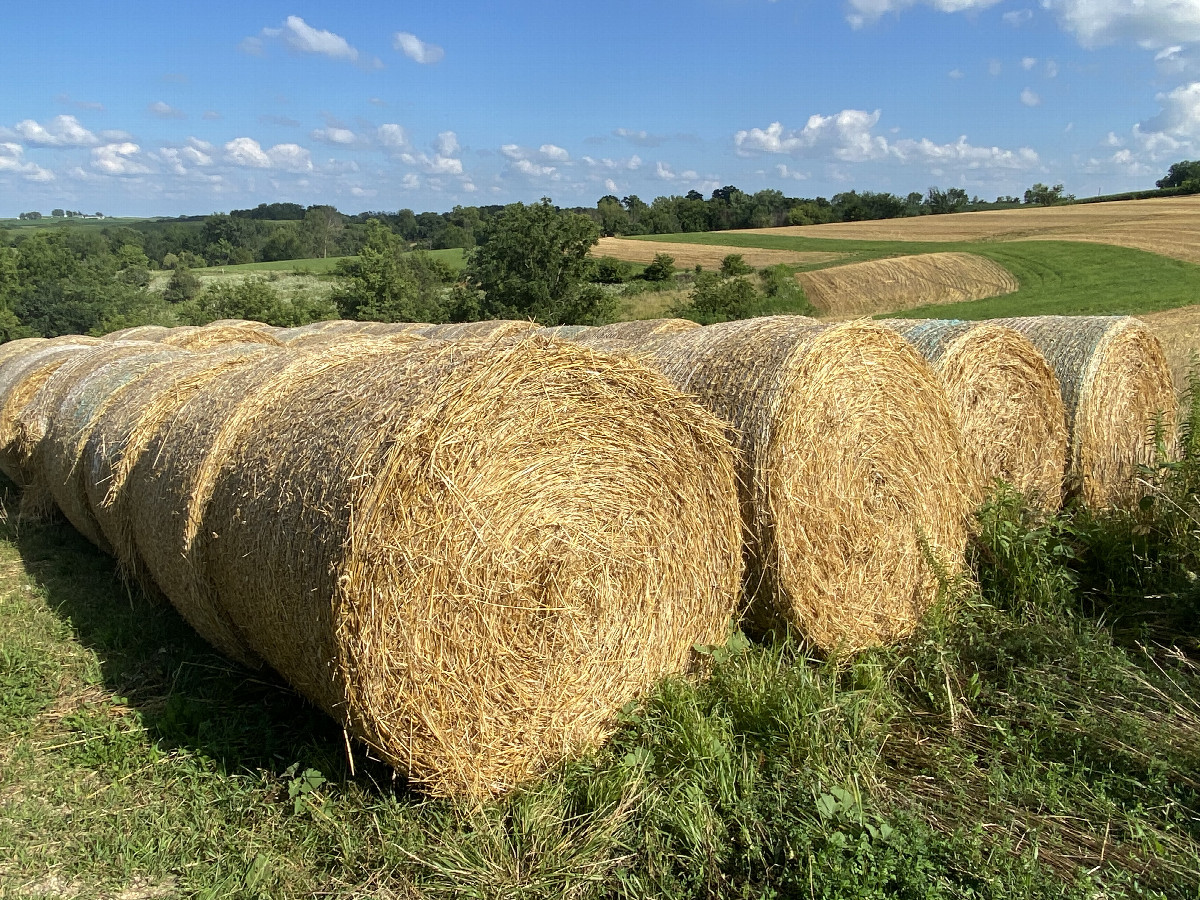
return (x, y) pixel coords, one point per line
(1056, 277)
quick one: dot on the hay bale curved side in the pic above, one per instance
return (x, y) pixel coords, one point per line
(502, 545)
(121, 436)
(206, 337)
(58, 460)
(1115, 384)
(562, 332)
(140, 333)
(35, 420)
(1007, 399)
(851, 465)
(21, 377)
(316, 340)
(9, 349)
(490, 329)
(169, 486)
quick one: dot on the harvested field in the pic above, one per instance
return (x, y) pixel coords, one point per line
(1115, 383)
(851, 466)
(905, 282)
(1169, 226)
(500, 548)
(689, 255)
(1007, 399)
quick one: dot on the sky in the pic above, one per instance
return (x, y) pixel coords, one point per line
(139, 109)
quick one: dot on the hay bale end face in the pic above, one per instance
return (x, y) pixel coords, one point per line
(1007, 400)
(852, 464)
(1117, 390)
(505, 543)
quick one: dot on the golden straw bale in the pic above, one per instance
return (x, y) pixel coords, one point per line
(169, 486)
(57, 462)
(491, 329)
(205, 337)
(140, 333)
(331, 326)
(1116, 383)
(74, 340)
(21, 377)
(474, 554)
(852, 466)
(563, 332)
(9, 349)
(131, 421)
(316, 340)
(1007, 399)
(242, 323)
(307, 333)
(633, 333)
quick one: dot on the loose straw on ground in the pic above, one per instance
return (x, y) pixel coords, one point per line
(474, 554)
(852, 469)
(1117, 390)
(1007, 400)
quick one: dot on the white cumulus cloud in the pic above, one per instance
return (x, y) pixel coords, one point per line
(1030, 98)
(965, 154)
(392, 136)
(416, 49)
(1150, 23)
(863, 12)
(119, 159)
(61, 131)
(12, 160)
(845, 136)
(331, 135)
(248, 152)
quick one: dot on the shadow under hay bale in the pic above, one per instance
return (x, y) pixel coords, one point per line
(1007, 399)
(1116, 387)
(119, 437)
(474, 555)
(852, 467)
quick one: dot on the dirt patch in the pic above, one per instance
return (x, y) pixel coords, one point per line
(1169, 226)
(1179, 332)
(709, 256)
(904, 282)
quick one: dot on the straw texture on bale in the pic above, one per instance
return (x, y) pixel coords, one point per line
(640, 330)
(206, 337)
(332, 326)
(140, 333)
(852, 466)
(169, 485)
(473, 555)
(10, 349)
(35, 420)
(493, 328)
(317, 339)
(21, 377)
(130, 422)
(57, 462)
(1115, 382)
(563, 332)
(1007, 399)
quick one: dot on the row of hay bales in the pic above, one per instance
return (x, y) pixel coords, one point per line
(472, 544)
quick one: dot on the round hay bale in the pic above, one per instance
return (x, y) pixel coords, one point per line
(640, 330)
(130, 422)
(852, 468)
(34, 421)
(497, 328)
(140, 333)
(308, 333)
(317, 340)
(58, 462)
(169, 486)
(474, 555)
(205, 337)
(21, 377)
(9, 349)
(563, 332)
(1116, 383)
(1007, 399)
(241, 323)
(74, 340)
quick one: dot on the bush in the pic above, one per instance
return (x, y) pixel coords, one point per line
(183, 285)
(610, 270)
(660, 268)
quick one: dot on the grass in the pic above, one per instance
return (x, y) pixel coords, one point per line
(455, 258)
(1056, 277)
(1040, 736)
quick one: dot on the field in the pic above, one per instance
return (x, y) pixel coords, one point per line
(688, 255)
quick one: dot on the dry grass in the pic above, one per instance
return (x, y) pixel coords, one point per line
(473, 555)
(852, 464)
(689, 255)
(1169, 226)
(1007, 399)
(1115, 383)
(905, 282)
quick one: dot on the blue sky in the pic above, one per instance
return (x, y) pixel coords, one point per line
(131, 108)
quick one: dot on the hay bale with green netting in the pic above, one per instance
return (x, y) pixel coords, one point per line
(21, 377)
(490, 329)
(140, 333)
(206, 337)
(852, 469)
(474, 555)
(1120, 402)
(168, 487)
(121, 435)
(36, 419)
(1007, 399)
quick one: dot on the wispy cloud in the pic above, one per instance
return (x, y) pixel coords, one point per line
(12, 160)
(1030, 98)
(300, 37)
(165, 111)
(416, 49)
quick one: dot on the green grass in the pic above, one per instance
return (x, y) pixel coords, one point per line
(1056, 277)
(1040, 736)
(455, 258)
(48, 222)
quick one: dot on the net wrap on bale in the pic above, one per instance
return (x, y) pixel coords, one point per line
(852, 469)
(503, 544)
(1007, 400)
(1120, 401)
